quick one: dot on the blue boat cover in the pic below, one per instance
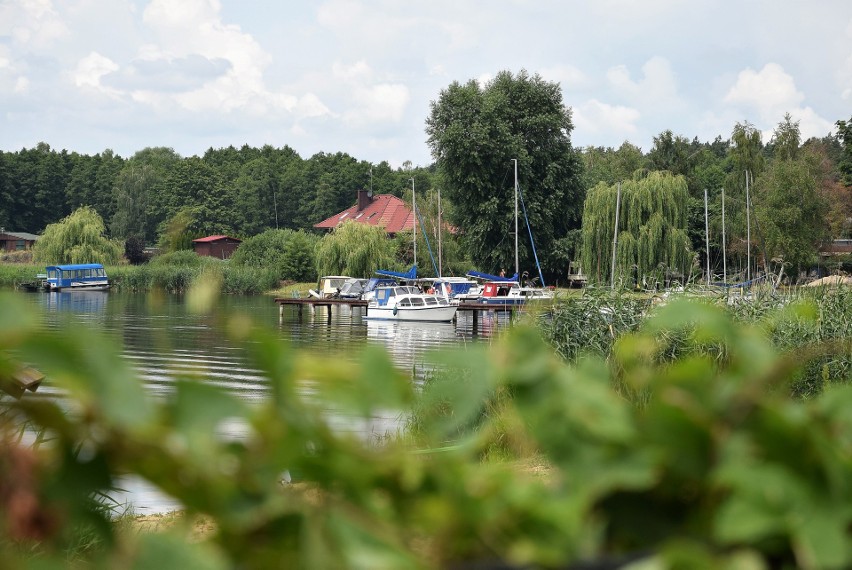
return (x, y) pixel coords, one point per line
(487, 277)
(410, 274)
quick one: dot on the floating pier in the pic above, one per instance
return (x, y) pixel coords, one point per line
(301, 302)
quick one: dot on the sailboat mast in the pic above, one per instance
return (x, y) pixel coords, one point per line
(414, 207)
(517, 265)
(440, 233)
(707, 235)
(748, 232)
(724, 253)
(615, 236)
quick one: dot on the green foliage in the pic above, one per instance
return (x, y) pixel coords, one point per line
(717, 467)
(475, 133)
(791, 211)
(287, 254)
(178, 231)
(844, 133)
(652, 239)
(355, 249)
(79, 238)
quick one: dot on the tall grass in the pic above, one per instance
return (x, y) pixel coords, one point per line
(814, 321)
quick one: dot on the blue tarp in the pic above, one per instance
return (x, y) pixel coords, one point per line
(487, 277)
(410, 274)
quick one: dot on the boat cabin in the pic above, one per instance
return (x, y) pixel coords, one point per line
(329, 286)
(80, 276)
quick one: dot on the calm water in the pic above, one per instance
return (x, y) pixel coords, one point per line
(163, 341)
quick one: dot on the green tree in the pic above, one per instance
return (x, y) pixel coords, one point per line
(844, 133)
(132, 188)
(652, 238)
(355, 249)
(79, 238)
(474, 133)
(290, 254)
(791, 209)
(177, 232)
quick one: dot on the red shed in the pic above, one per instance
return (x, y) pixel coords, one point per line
(216, 246)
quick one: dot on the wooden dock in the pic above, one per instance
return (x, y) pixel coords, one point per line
(301, 302)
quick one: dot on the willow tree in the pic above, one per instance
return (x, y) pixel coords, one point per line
(78, 238)
(652, 224)
(355, 249)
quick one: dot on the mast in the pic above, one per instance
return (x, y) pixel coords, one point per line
(707, 235)
(724, 254)
(615, 236)
(414, 208)
(748, 232)
(517, 265)
(440, 232)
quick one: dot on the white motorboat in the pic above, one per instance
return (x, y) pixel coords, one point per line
(406, 303)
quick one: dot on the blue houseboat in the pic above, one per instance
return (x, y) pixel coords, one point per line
(76, 277)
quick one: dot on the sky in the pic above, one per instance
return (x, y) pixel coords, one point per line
(359, 76)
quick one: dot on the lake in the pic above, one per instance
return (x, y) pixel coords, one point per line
(162, 341)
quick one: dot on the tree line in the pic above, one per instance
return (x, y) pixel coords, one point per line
(800, 193)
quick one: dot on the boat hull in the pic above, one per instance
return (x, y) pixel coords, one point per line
(442, 314)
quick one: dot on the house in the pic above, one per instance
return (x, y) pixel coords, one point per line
(221, 247)
(16, 241)
(383, 210)
(837, 247)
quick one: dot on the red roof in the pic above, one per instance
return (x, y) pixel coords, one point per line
(213, 238)
(384, 210)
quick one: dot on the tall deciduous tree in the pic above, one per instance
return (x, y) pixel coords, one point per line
(474, 133)
(844, 133)
(652, 238)
(791, 209)
(78, 238)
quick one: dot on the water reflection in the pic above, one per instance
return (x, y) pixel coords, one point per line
(163, 341)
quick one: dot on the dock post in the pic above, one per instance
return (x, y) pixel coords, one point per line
(475, 330)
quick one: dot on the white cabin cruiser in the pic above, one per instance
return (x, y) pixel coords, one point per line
(407, 303)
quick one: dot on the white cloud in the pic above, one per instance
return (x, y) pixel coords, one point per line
(378, 104)
(569, 76)
(91, 69)
(22, 85)
(31, 23)
(771, 93)
(357, 70)
(596, 119)
(770, 90)
(657, 88)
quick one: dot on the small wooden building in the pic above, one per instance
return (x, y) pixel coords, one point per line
(16, 241)
(221, 247)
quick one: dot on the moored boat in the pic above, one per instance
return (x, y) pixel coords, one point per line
(407, 303)
(329, 286)
(76, 277)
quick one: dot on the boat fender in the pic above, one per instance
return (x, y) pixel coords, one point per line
(394, 311)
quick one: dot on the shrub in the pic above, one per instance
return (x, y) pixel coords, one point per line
(288, 254)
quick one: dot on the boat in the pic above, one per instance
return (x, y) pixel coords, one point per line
(408, 303)
(76, 277)
(374, 283)
(456, 288)
(352, 289)
(329, 286)
(498, 290)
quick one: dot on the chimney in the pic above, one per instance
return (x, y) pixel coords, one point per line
(364, 199)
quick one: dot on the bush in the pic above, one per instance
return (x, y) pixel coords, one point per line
(718, 468)
(289, 255)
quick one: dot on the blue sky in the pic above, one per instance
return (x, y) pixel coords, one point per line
(359, 76)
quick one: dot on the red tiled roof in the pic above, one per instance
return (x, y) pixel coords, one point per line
(384, 210)
(213, 238)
